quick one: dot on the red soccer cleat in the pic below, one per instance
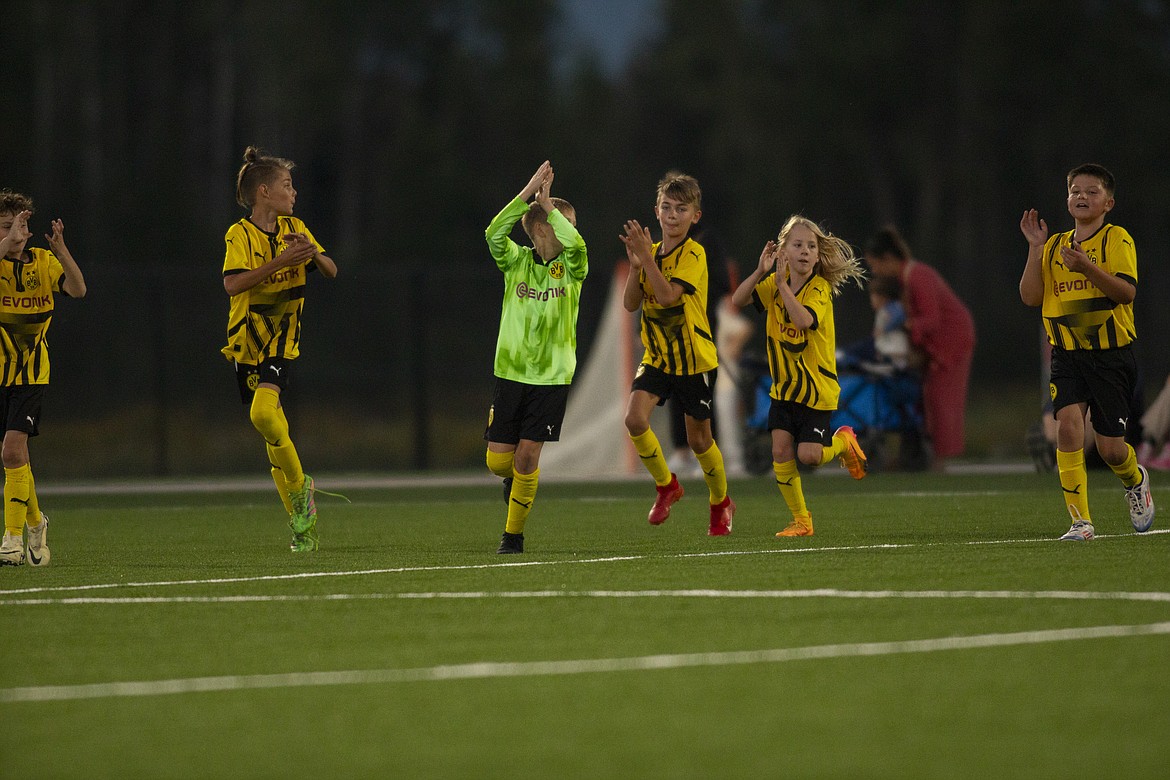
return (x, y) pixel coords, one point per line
(667, 495)
(721, 515)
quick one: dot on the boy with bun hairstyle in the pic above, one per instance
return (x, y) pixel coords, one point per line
(270, 254)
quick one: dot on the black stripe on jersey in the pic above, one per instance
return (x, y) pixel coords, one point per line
(704, 334)
(827, 373)
(283, 329)
(233, 328)
(811, 393)
(232, 271)
(1127, 278)
(16, 321)
(815, 323)
(248, 235)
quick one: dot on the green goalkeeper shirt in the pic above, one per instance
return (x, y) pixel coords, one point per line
(538, 324)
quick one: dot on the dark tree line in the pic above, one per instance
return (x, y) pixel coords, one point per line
(413, 122)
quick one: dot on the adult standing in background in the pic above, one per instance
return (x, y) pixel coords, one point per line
(940, 326)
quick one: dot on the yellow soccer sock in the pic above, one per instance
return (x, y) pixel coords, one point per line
(34, 506)
(788, 480)
(282, 487)
(1074, 482)
(833, 451)
(268, 418)
(500, 463)
(520, 504)
(1128, 470)
(15, 498)
(713, 473)
(650, 451)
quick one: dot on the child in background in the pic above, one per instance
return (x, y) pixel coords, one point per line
(810, 267)
(32, 275)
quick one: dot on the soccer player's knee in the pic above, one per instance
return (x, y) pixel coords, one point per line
(500, 463)
(810, 457)
(636, 424)
(267, 420)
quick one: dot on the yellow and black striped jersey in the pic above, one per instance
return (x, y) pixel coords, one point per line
(1076, 314)
(803, 362)
(265, 321)
(27, 285)
(678, 337)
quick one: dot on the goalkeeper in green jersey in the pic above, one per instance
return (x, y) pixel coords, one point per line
(536, 352)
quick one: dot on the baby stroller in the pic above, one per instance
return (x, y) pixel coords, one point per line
(878, 400)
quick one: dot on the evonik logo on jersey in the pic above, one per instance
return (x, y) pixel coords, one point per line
(284, 275)
(25, 301)
(531, 293)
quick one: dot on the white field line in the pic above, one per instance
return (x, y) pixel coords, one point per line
(490, 670)
(514, 564)
(817, 593)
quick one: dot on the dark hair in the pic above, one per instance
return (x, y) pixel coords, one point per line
(1097, 171)
(886, 286)
(14, 202)
(888, 241)
(258, 168)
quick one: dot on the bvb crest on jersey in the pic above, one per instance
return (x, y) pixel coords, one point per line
(31, 280)
(556, 269)
(253, 381)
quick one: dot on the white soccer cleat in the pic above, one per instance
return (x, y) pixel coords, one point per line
(1141, 503)
(1082, 529)
(37, 549)
(12, 550)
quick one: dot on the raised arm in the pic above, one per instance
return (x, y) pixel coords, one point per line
(638, 242)
(1035, 230)
(73, 282)
(743, 294)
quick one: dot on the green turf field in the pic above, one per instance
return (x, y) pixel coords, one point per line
(932, 628)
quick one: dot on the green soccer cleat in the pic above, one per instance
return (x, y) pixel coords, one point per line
(304, 542)
(304, 514)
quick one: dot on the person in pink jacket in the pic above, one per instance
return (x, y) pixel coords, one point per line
(942, 328)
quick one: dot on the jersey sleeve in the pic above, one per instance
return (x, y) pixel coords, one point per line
(818, 301)
(763, 292)
(692, 266)
(235, 257)
(56, 273)
(575, 256)
(312, 240)
(1122, 255)
(504, 250)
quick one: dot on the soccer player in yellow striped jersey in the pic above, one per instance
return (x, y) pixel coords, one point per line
(810, 266)
(1085, 283)
(29, 278)
(269, 256)
(668, 282)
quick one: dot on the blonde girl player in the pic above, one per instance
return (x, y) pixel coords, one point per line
(668, 282)
(810, 268)
(28, 279)
(270, 254)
